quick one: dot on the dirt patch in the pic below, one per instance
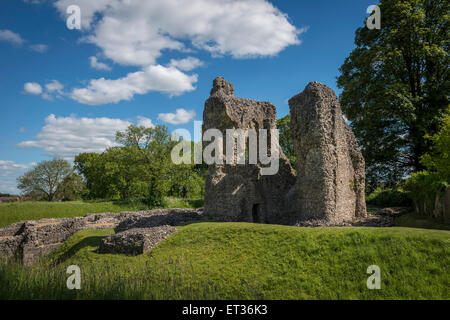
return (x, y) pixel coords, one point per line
(384, 217)
(111, 225)
(49, 223)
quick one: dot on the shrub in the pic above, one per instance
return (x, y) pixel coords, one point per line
(423, 188)
(438, 159)
(389, 198)
(426, 188)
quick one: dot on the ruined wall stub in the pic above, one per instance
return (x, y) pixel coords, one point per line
(240, 192)
(330, 168)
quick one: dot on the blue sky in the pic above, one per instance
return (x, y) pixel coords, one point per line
(54, 105)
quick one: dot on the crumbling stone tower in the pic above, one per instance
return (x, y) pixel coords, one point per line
(330, 179)
(331, 171)
(239, 192)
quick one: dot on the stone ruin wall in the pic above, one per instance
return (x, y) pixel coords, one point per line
(331, 171)
(135, 232)
(239, 192)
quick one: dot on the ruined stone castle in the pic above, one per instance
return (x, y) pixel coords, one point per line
(328, 187)
(330, 181)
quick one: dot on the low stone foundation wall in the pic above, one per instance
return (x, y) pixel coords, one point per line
(27, 241)
(135, 241)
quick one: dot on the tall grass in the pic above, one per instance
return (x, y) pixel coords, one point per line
(246, 261)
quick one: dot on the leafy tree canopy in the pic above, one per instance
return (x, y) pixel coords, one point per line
(395, 86)
(140, 169)
(46, 178)
(438, 159)
(285, 139)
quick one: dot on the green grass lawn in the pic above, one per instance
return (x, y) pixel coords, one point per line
(246, 261)
(33, 210)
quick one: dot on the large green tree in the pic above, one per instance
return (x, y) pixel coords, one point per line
(45, 179)
(72, 187)
(155, 144)
(89, 166)
(395, 85)
(139, 169)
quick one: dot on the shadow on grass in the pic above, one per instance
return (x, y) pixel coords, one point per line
(197, 203)
(93, 241)
(413, 220)
(195, 222)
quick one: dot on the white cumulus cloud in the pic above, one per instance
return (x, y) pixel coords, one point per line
(65, 137)
(32, 88)
(12, 37)
(9, 172)
(187, 64)
(180, 117)
(7, 166)
(54, 86)
(153, 78)
(52, 89)
(16, 39)
(144, 122)
(98, 65)
(137, 33)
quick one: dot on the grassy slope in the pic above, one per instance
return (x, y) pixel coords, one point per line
(247, 261)
(33, 210)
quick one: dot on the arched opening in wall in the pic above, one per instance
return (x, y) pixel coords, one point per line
(256, 213)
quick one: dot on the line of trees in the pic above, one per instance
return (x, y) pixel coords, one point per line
(140, 169)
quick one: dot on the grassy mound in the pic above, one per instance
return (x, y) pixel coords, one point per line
(246, 261)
